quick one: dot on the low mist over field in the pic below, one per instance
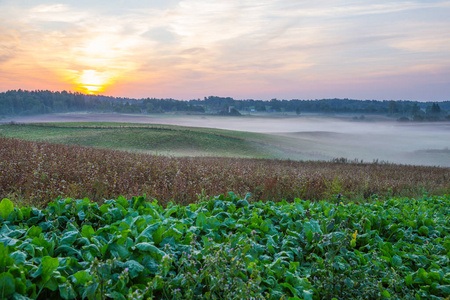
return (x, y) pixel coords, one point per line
(311, 137)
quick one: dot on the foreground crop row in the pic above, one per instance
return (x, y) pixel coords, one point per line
(226, 248)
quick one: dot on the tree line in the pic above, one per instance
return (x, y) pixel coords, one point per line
(22, 102)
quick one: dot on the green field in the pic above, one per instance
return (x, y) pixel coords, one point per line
(154, 139)
(226, 248)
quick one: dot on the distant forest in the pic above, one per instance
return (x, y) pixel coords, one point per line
(20, 102)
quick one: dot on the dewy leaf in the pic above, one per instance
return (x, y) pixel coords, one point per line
(81, 215)
(68, 238)
(444, 288)
(154, 251)
(66, 291)
(312, 226)
(6, 208)
(307, 295)
(19, 257)
(6, 285)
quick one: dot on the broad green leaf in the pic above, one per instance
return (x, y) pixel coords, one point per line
(151, 249)
(349, 283)
(122, 201)
(66, 291)
(150, 264)
(93, 249)
(6, 285)
(81, 215)
(6, 208)
(119, 251)
(396, 260)
(170, 211)
(367, 225)
(309, 236)
(47, 267)
(242, 203)
(87, 231)
(423, 230)
(312, 226)
(91, 291)
(81, 277)
(444, 288)
(34, 231)
(117, 296)
(68, 238)
(408, 279)
(68, 250)
(138, 202)
(422, 274)
(134, 268)
(307, 294)
(434, 276)
(264, 226)
(20, 285)
(148, 232)
(157, 235)
(19, 257)
(290, 288)
(5, 259)
(201, 220)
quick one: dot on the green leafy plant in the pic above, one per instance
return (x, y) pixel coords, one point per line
(226, 248)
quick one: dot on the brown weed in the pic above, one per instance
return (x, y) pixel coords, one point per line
(37, 172)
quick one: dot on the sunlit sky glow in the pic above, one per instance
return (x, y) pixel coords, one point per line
(244, 49)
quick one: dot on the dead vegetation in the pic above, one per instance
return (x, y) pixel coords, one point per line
(38, 172)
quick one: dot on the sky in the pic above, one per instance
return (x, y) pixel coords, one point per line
(189, 49)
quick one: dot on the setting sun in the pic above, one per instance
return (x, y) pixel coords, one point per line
(92, 82)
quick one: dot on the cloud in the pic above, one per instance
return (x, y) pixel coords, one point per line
(189, 45)
(324, 9)
(160, 34)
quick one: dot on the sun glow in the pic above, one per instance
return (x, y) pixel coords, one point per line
(92, 82)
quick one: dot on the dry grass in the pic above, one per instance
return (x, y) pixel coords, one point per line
(36, 172)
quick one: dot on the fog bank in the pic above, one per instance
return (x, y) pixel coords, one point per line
(310, 137)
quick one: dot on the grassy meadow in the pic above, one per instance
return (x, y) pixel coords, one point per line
(154, 139)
